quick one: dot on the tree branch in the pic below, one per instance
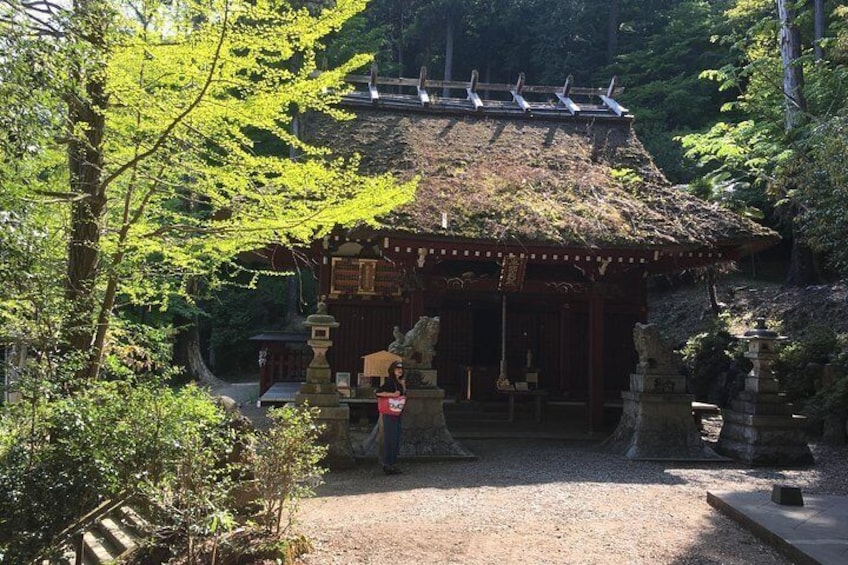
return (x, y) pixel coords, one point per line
(182, 115)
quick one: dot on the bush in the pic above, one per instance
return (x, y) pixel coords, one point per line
(799, 364)
(715, 364)
(286, 465)
(60, 458)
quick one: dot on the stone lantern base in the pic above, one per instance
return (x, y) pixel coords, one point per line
(760, 429)
(336, 435)
(424, 432)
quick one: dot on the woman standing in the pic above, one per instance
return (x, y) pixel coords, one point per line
(395, 386)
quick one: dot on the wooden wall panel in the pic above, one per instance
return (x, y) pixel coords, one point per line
(453, 350)
(575, 381)
(620, 355)
(364, 328)
(547, 353)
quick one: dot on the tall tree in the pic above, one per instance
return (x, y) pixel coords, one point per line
(165, 179)
(819, 27)
(613, 21)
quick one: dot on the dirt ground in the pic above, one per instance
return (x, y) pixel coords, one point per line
(538, 501)
(553, 501)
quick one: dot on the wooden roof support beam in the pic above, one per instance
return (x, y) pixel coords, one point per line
(516, 94)
(616, 108)
(422, 87)
(372, 85)
(563, 96)
(471, 90)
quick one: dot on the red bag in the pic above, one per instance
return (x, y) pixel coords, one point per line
(391, 405)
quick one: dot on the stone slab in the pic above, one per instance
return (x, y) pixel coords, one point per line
(816, 533)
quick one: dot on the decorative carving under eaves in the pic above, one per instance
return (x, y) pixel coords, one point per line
(456, 283)
(567, 287)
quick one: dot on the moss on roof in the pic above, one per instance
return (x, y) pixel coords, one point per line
(550, 182)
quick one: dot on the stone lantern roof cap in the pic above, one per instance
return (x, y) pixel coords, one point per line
(321, 318)
(760, 331)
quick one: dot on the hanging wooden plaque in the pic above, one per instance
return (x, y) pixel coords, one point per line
(512, 274)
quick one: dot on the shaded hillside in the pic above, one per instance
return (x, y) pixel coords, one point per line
(684, 311)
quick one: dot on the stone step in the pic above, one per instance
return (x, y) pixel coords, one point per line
(96, 550)
(131, 518)
(107, 540)
(117, 535)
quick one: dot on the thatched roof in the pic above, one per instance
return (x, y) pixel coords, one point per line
(564, 182)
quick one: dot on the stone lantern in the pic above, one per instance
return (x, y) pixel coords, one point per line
(320, 391)
(760, 428)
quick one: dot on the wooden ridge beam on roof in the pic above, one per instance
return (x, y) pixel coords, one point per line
(516, 94)
(565, 99)
(607, 99)
(422, 87)
(462, 86)
(550, 101)
(471, 90)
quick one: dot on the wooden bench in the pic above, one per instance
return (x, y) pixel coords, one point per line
(701, 409)
(536, 395)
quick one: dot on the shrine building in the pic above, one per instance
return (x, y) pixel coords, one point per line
(537, 221)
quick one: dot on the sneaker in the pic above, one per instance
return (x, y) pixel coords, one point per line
(391, 470)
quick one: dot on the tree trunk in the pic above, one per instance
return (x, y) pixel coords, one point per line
(448, 52)
(188, 354)
(793, 74)
(803, 267)
(802, 263)
(819, 26)
(715, 307)
(86, 124)
(613, 22)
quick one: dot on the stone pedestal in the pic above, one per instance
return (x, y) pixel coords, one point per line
(759, 428)
(659, 425)
(424, 433)
(320, 391)
(656, 421)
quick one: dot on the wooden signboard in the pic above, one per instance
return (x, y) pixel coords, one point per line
(512, 274)
(364, 277)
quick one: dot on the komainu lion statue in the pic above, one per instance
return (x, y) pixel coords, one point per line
(417, 346)
(655, 357)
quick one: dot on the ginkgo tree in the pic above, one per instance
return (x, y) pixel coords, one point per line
(135, 123)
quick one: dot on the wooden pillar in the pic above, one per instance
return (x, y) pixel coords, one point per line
(413, 308)
(324, 274)
(565, 347)
(643, 299)
(596, 357)
(265, 375)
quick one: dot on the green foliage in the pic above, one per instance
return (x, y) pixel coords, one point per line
(193, 493)
(796, 169)
(286, 465)
(182, 120)
(59, 459)
(824, 190)
(799, 364)
(626, 176)
(715, 363)
(663, 86)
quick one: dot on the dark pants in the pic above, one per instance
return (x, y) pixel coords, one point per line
(391, 439)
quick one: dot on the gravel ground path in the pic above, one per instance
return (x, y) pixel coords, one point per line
(537, 501)
(542, 502)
